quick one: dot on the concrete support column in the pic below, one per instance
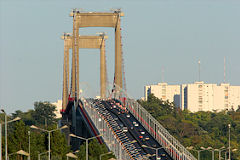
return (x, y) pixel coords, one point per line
(118, 57)
(65, 76)
(103, 70)
(75, 60)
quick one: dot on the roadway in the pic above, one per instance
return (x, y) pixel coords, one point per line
(122, 137)
(131, 131)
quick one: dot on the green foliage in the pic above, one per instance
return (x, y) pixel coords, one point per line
(201, 129)
(94, 151)
(59, 145)
(18, 136)
(44, 113)
(26, 117)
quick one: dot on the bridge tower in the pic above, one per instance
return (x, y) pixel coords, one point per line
(87, 42)
(96, 19)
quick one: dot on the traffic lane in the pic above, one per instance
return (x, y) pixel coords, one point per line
(152, 141)
(108, 106)
(129, 123)
(137, 131)
(131, 148)
(127, 134)
(121, 117)
(103, 108)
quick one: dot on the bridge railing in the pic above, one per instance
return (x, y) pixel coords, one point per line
(107, 133)
(174, 148)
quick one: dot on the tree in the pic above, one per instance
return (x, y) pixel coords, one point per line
(26, 117)
(44, 113)
(94, 151)
(18, 138)
(200, 129)
(59, 145)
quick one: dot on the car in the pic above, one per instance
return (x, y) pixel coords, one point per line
(128, 115)
(114, 106)
(163, 155)
(141, 137)
(125, 129)
(146, 138)
(136, 125)
(142, 132)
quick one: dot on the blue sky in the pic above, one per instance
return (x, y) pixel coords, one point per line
(169, 34)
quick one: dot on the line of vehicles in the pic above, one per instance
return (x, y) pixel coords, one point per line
(139, 143)
(119, 131)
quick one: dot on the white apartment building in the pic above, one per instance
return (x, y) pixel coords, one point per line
(164, 91)
(58, 105)
(209, 97)
(197, 96)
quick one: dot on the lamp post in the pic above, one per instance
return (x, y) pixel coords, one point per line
(39, 155)
(100, 157)
(233, 150)
(86, 139)
(156, 149)
(29, 145)
(15, 119)
(49, 133)
(210, 149)
(229, 142)
(72, 155)
(219, 151)
(198, 151)
(11, 154)
(0, 140)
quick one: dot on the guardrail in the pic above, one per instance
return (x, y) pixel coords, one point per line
(105, 130)
(174, 148)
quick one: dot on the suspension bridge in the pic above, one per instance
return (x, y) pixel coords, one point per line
(126, 128)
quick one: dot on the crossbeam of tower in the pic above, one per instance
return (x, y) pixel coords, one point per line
(95, 19)
(87, 42)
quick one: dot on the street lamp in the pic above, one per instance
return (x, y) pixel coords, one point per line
(29, 143)
(6, 151)
(229, 148)
(72, 155)
(198, 151)
(233, 150)
(210, 149)
(20, 152)
(49, 133)
(100, 157)
(156, 149)
(219, 151)
(11, 154)
(86, 139)
(39, 155)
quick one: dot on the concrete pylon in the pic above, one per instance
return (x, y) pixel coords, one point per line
(87, 42)
(118, 58)
(100, 19)
(65, 93)
(103, 71)
(75, 60)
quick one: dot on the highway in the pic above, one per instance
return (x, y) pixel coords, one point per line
(132, 134)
